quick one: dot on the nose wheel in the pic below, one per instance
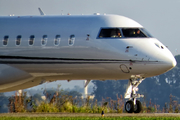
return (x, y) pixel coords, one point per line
(137, 107)
(130, 107)
(133, 105)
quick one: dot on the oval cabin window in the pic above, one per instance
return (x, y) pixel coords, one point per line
(57, 40)
(44, 40)
(5, 40)
(71, 40)
(31, 40)
(18, 40)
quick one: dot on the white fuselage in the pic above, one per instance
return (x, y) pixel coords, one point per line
(70, 48)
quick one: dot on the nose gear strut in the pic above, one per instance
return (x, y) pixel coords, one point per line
(133, 105)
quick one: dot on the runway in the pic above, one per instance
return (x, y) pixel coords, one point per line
(89, 115)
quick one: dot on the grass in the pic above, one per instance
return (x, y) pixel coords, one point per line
(90, 118)
(62, 103)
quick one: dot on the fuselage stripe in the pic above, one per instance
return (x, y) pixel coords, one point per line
(49, 60)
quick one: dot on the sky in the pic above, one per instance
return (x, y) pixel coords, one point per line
(160, 17)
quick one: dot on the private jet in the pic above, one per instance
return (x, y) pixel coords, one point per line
(37, 49)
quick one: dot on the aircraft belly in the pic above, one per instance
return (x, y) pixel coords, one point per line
(81, 71)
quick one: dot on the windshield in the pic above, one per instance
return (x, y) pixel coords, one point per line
(110, 33)
(146, 32)
(132, 32)
(123, 33)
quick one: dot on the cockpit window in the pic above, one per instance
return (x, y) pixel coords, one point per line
(110, 33)
(124, 33)
(133, 32)
(146, 32)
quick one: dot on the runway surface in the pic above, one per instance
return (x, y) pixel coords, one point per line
(89, 115)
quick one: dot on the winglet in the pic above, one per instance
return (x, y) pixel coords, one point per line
(41, 12)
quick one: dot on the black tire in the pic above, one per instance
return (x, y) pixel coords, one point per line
(129, 106)
(137, 107)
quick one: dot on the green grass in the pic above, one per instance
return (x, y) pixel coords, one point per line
(90, 118)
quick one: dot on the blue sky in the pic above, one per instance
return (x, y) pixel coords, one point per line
(160, 17)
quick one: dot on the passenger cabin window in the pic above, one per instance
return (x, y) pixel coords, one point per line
(44, 40)
(5, 40)
(18, 40)
(57, 40)
(31, 40)
(110, 33)
(71, 40)
(133, 32)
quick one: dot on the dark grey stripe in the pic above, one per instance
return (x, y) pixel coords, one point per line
(49, 60)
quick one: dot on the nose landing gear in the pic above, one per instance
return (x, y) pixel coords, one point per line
(133, 105)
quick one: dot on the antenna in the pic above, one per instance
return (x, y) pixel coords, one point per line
(41, 12)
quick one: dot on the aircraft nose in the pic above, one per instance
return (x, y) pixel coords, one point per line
(170, 62)
(174, 63)
(165, 63)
